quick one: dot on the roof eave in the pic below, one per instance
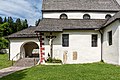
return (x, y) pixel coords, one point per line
(113, 21)
(80, 10)
(47, 31)
(109, 23)
(21, 37)
(82, 29)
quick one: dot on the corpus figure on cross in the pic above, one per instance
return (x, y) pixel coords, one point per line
(50, 39)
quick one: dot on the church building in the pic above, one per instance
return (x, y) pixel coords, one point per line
(74, 31)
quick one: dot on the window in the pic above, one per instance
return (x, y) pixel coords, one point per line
(86, 16)
(108, 16)
(63, 16)
(65, 40)
(110, 37)
(94, 40)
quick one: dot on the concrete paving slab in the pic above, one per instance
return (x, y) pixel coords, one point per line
(10, 70)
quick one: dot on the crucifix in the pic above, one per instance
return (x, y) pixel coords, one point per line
(50, 39)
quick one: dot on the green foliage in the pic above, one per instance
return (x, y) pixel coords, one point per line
(20, 25)
(3, 43)
(5, 19)
(95, 71)
(1, 20)
(56, 61)
(4, 29)
(50, 60)
(8, 26)
(25, 24)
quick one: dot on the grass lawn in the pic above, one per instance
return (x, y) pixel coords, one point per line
(95, 71)
(4, 62)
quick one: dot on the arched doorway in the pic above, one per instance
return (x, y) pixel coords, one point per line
(29, 50)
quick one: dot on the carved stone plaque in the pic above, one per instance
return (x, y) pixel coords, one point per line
(65, 57)
(75, 55)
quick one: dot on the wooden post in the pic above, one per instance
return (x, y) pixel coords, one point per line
(39, 35)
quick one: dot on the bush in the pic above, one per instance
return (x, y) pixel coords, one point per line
(50, 60)
(56, 61)
(3, 43)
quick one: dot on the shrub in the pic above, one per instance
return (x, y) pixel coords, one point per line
(50, 60)
(56, 61)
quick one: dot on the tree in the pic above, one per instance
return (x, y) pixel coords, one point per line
(25, 24)
(3, 43)
(1, 20)
(3, 32)
(10, 20)
(5, 19)
(4, 29)
(18, 24)
(8, 26)
(11, 24)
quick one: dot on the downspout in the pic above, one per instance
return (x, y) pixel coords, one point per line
(101, 45)
(9, 48)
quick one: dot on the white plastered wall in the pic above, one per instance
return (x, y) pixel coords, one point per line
(111, 53)
(77, 15)
(16, 44)
(80, 42)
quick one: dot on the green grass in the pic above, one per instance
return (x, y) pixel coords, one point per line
(4, 62)
(95, 71)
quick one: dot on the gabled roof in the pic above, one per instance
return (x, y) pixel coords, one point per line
(92, 5)
(112, 19)
(58, 25)
(26, 33)
(69, 24)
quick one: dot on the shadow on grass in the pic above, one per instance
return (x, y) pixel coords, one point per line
(19, 75)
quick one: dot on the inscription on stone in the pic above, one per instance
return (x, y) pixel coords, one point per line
(75, 55)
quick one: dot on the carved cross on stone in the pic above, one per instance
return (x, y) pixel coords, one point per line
(50, 39)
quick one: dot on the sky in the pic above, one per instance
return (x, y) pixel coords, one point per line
(23, 9)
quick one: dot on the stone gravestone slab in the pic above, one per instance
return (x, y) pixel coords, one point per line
(75, 55)
(65, 57)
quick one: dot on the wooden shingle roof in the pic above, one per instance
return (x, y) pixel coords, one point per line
(90, 5)
(69, 24)
(26, 33)
(58, 25)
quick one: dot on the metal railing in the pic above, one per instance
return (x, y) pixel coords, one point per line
(14, 58)
(35, 60)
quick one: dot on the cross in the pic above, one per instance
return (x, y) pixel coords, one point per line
(50, 39)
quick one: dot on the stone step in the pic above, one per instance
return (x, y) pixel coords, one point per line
(26, 62)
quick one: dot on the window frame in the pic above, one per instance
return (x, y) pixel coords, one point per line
(65, 43)
(110, 38)
(63, 16)
(108, 16)
(94, 40)
(86, 16)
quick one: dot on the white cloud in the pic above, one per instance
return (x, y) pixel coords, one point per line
(24, 9)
